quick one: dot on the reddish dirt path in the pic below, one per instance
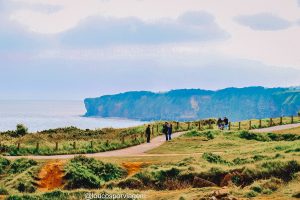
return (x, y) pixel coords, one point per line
(51, 175)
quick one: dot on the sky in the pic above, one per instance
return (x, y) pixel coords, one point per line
(73, 49)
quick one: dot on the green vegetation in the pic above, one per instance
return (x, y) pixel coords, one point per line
(82, 172)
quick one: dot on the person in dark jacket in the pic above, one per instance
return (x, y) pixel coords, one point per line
(148, 133)
(220, 124)
(165, 130)
(170, 130)
(226, 122)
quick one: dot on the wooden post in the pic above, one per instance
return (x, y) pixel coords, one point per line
(37, 146)
(229, 126)
(92, 146)
(199, 125)
(239, 125)
(56, 146)
(250, 125)
(18, 146)
(271, 121)
(259, 123)
(74, 145)
(292, 119)
(280, 121)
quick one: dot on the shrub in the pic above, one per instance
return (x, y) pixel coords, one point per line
(208, 134)
(83, 172)
(3, 191)
(26, 187)
(21, 130)
(4, 163)
(251, 194)
(21, 165)
(213, 158)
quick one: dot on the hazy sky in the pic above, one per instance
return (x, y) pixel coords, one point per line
(72, 49)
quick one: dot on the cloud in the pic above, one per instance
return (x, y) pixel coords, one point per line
(263, 22)
(61, 79)
(189, 27)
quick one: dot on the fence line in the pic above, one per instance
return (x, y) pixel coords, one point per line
(184, 126)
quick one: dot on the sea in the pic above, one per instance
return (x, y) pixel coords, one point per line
(42, 115)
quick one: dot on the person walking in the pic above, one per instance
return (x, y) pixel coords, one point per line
(165, 130)
(220, 124)
(148, 133)
(170, 130)
(226, 122)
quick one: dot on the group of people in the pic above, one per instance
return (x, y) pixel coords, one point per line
(167, 130)
(223, 123)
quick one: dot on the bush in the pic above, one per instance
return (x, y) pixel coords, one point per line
(21, 130)
(21, 165)
(4, 163)
(208, 134)
(213, 158)
(83, 172)
(278, 169)
(26, 187)
(3, 191)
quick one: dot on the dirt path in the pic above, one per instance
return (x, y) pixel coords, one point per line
(138, 150)
(51, 175)
(276, 128)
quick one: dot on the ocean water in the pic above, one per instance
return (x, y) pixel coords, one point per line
(42, 115)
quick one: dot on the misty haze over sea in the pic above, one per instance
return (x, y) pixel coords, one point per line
(42, 115)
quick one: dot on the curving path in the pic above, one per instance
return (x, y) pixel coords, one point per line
(138, 150)
(276, 128)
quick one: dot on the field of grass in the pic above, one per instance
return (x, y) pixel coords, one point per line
(197, 165)
(72, 140)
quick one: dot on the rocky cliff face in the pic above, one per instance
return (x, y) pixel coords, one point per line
(192, 104)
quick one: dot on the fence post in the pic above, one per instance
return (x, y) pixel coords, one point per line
(18, 146)
(56, 146)
(239, 125)
(292, 119)
(74, 145)
(250, 125)
(280, 121)
(37, 146)
(271, 121)
(259, 125)
(177, 125)
(229, 126)
(199, 125)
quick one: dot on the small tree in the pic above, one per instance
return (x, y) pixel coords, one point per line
(21, 130)
(299, 113)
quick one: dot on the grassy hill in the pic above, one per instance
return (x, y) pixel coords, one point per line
(198, 165)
